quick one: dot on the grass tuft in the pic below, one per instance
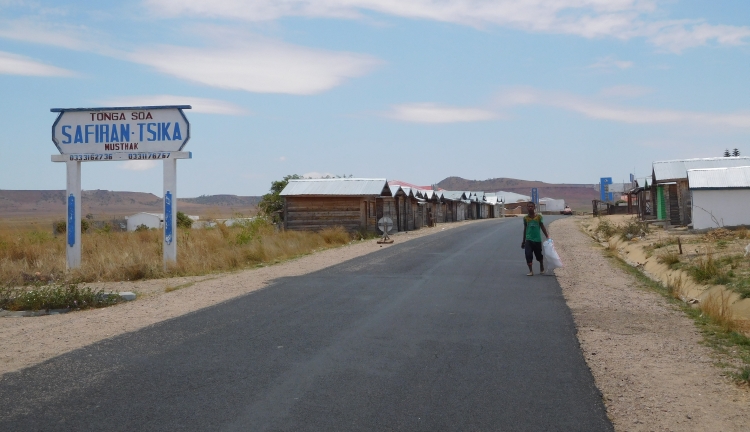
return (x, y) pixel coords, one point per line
(671, 259)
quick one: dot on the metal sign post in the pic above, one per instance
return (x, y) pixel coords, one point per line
(120, 134)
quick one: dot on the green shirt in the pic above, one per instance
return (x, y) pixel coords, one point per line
(533, 227)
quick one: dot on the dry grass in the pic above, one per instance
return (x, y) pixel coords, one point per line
(674, 286)
(37, 256)
(716, 306)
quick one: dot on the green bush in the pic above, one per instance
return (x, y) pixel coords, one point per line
(183, 221)
(60, 227)
(54, 297)
(670, 258)
(704, 269)
(250, 229)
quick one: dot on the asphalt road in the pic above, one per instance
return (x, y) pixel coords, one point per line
(442, 333)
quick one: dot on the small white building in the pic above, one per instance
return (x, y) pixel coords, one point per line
(151, 220)
(720, 196)
(551, 205)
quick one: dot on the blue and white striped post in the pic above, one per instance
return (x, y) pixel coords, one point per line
(170, 212)
(73, 221)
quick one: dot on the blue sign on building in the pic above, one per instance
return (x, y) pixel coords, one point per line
(604, 193)
(535, 195)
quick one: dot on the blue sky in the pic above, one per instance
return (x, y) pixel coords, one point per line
(563, 91)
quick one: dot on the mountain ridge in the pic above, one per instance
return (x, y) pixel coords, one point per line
(576, 195)
(45, 203)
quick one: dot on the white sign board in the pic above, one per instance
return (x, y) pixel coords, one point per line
(110, 133)
(120, 133)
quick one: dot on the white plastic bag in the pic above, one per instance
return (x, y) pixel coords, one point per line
(550, 255)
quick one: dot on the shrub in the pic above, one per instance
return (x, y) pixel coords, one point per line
(704, 269)
(634, 228)
(183, 221)
(59, 227)
(55, 297)
(606, 228)
(671, 259)
(251, 229)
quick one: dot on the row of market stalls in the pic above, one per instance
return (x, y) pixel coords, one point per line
(702, 193)
(358, 204)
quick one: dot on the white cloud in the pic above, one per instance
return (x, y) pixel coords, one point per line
(41, 31)
(282, 159)
(261, 66)
(595, 109)
(625, 91)
(13, 64)
(432, 113)
(621, 19)
(200, 105)
(138, 165)
(609, 63)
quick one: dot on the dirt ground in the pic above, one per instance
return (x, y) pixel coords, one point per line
(645, 355)
(726, 248)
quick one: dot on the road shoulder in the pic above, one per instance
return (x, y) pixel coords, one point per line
(646, 356)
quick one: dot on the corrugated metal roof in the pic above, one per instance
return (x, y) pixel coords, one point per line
(453, 195)
(339, 186)
(677, 169)
(720, 178)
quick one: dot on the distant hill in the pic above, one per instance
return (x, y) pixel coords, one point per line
(578, 196)
(224, 200)
(46, 203)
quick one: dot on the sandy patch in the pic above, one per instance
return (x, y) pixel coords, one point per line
(29, 341)
(646, 356)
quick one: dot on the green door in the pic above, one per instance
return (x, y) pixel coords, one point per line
(660, 204)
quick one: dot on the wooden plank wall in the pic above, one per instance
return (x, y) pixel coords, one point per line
(317, 213)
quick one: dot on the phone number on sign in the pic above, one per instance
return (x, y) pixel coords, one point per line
(145, 156)
(91, 157)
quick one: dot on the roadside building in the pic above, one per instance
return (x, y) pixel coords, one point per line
(551, 205)
(720, 196)
(353, 203)
(456, 203)
(671, 189)
(149, 220)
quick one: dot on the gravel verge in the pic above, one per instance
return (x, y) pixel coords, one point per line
(645, 354)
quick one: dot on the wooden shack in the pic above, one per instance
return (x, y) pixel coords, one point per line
(353, 203)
